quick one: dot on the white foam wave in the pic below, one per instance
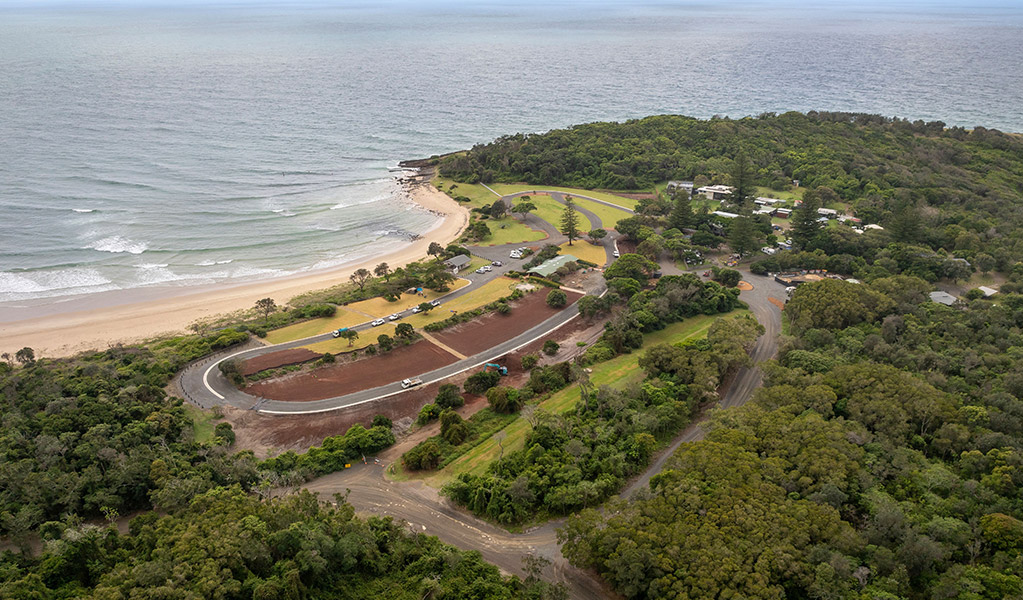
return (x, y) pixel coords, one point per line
(370, 200)
(118, 244)
(210, 262)
(14, 286)
(150, 266)
(84, 210)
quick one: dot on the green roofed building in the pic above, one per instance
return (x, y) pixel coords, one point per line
(552, 265)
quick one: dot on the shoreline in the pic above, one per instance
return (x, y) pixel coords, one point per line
(106, 319)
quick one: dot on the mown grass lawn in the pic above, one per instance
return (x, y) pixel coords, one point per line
(513, 188)
(509, 230)
(478, 195)
(617, 372)
(586, 251)
(609, 217)
(486, 294)
(355, 314)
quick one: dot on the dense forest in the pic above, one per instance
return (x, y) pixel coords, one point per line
(883, 458)
(935, 189)
(96, 436)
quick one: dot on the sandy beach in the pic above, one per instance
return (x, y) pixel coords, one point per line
(110, 320)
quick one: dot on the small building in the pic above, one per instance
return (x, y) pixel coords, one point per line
(848, 219)
(943, 298)
(783, 213)
(767, 210)
(873, 226)
(988, 292)
(715, 192)
(674, 186)
(458, 262)
(827, 212)
(724, 215)
(771, 201)
(547, 267)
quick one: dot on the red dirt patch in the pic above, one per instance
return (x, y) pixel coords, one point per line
(745, 286)
(341, 379)
(268, 435)
(281, 358)
(492, 329)
(777, 302)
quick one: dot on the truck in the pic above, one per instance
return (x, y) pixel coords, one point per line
(410, 382)
(338, 332)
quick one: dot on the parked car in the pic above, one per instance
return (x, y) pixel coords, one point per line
(497, 263)
(435, 303)
(416, 309)
(515, 254)
(378, 323)
(615, 254)
(394, 317)
(480, 270)
(487, 268)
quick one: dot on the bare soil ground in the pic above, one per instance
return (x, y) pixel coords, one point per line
(626, 247)
(745, 286)
(269, 435)
(274, 360)
(479, 334)
(341, 379)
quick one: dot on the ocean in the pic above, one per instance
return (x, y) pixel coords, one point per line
(182, 144)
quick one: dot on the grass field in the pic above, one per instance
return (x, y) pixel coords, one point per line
(478, 195)
(493, 290)
(608, 216)
(354, 314)
(512, 188)
(366, 338)
(586, 251)
(511, 231)
(202, 422)
(617, 372)
(298, 331)
(790, 195)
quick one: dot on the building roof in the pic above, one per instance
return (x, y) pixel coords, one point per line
(726, 215)
(943, 298)
(718, 189)
(552, 265)
(873, 226)
(988, 291)
(458, 261)
(770, 200)
(827, 211)
(787, 211)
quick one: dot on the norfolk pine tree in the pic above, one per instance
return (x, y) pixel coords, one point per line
(570, 220)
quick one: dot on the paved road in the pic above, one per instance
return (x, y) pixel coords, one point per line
(204, 384)
(429, 513)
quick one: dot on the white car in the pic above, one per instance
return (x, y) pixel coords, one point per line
(394, 317)
(487, 268)
(515, 254)
(416, 309)
(435, 303)
(378, 323)
(615, 254)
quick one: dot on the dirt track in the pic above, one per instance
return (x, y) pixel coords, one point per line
(427, 512)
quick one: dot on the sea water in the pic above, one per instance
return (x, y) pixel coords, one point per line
(181, 144)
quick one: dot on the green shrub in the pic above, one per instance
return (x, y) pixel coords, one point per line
(550, 347)
(479, 383)
(448, 396)
(382, 421)
(557, 299)
(428, 413)
(529, 361)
